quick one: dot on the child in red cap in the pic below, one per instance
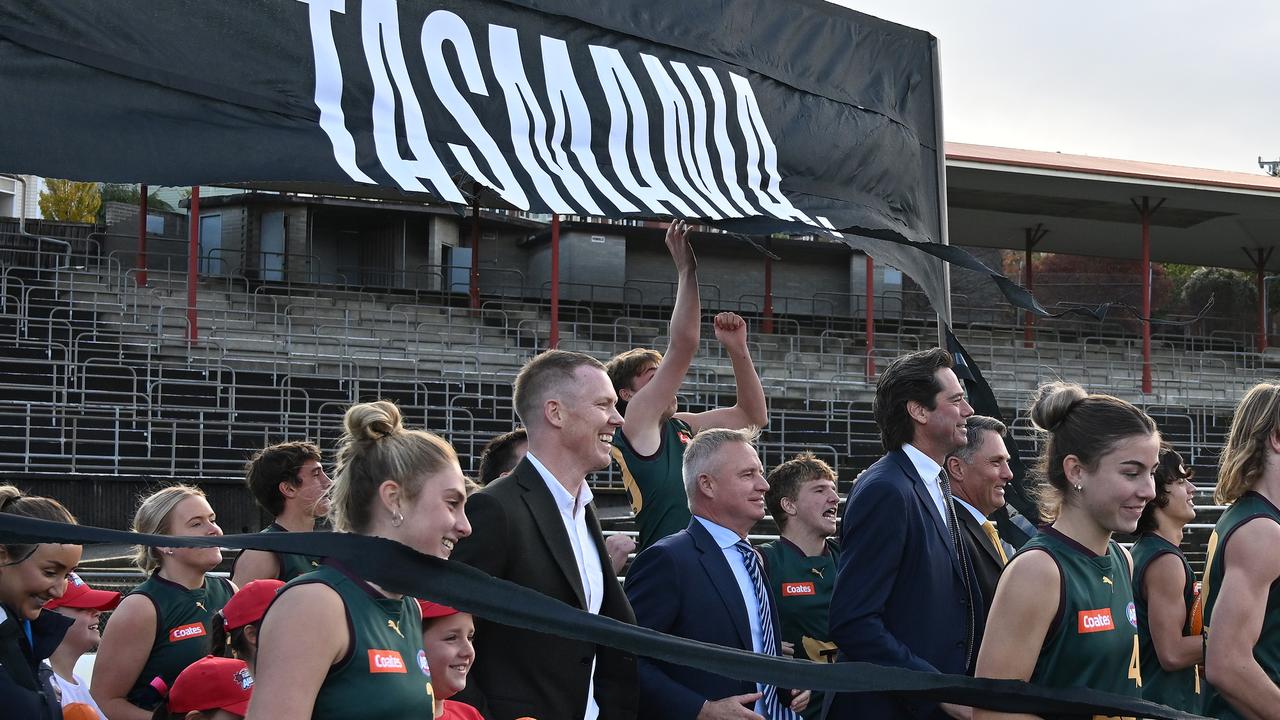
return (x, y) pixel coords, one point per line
(447, 636)
(241, 618)
(213, 688)
(84, 605)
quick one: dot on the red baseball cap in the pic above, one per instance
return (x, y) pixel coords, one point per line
(249, 604)
(79, 595)
(431, 611)
(212, 683)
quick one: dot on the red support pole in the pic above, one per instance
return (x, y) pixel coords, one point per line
(1146, 295)
(555, 281)
(871, 318)
(141, 278)
(1260, 257)
(193, 255)
(768, 295)
(475, 253)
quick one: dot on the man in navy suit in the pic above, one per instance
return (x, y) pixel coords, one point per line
(905, 594)
(706, 583)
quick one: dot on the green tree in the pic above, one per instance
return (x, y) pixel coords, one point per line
(70, 201)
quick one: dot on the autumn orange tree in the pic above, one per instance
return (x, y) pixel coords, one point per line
(70, 201)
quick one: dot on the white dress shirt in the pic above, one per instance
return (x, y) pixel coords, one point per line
(928, 471)
(573, 513)
(727, 540)
(975, 512)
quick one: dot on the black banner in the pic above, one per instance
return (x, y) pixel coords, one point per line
(401, 569)
(799, 114)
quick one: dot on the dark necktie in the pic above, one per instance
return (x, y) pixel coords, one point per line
(953, 524)
(774, 708)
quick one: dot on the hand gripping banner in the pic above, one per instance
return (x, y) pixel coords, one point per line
(401, 569)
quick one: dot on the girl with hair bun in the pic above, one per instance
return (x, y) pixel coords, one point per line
(1098, 456)
(391, 482)
(30, 576)
(163, 625)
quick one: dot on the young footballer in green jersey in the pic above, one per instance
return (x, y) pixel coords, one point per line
(289, 482)
(1240, 596)
(650, 446)
(1097, 460)
(801, 564)
(1164, 591)
(369, 663)
(164, 624)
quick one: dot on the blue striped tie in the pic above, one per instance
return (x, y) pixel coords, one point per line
(774, 709)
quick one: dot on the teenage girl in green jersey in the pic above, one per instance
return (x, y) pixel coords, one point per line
(1164, 591)
(164, 624)
(1097, 460)
(1240, 596)
(369, 661)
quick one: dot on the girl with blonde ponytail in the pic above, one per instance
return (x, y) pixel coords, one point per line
(392, 482)
(163, 625)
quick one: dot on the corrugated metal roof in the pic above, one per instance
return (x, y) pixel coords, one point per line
(1090, 165)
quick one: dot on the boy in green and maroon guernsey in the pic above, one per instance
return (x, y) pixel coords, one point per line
(1164, 591)
(801, 564)
(289, 482)
(649, 447)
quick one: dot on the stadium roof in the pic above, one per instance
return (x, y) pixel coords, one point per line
(1087, 206)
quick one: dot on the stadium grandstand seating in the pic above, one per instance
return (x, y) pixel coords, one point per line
(102, 395)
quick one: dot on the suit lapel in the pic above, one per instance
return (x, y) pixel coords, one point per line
(722, 579)
(922, 493)
(546, 516)
(979, 535)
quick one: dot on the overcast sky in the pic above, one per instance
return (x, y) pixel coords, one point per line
(1184, 82)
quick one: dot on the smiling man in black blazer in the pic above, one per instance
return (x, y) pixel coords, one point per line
(537, 527)
(979, 472)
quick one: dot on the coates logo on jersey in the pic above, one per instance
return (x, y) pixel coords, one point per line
(1092, 621)
(1132, 613)
(422, 663)
(186, 632)
(792, 589)
(386, 661)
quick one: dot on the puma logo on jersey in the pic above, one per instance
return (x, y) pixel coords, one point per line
(186, 632)
(395, 626)
(201, 606)
(1092, 621)
(385, 661)
(817, 571)
(1107, 580)
(792, 589)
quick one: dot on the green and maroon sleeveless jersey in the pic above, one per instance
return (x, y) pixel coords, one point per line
(1181, 688)
(1093, 640)
(291, 566)
(1250, 506)
(656, 483)
(384, 673)
(801, 588)
(183, 624)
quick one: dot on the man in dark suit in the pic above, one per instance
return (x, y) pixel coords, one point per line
(537, 527)
(905, 594)
(706, 583)
(979, 471)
